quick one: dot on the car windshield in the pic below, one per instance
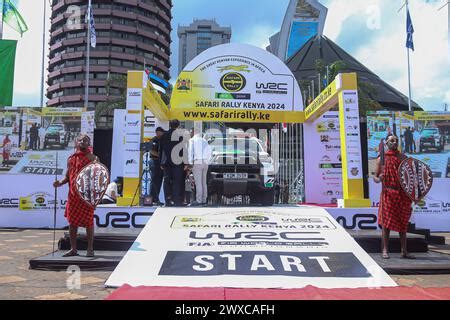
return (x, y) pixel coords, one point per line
(429, 131)
(55, 128)
(235, 145)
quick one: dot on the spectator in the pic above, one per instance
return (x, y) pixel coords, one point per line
(416, 137)
(41, 134)
(277, 191)
(199, 156)
(173, 165)
(408, 140)
(285, 192)
(156, 171)
(189, 187)
(33, 136)
(111, 193)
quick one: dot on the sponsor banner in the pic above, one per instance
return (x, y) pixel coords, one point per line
(352, 134)
(323, 175)
(119, 142)
(35, 135)
(133, 124)
(134, 99)
(247, 248)
(62, 112)
(34, 207)
(326, 100)
(423, 136)
(355, 218)
(42, 163)
(237, 83)
(432, 213)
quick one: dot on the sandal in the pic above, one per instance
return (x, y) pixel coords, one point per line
(70, 253)
(90, 254)
(385, 255)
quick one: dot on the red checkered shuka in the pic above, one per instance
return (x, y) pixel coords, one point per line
(78, 212)
(395, 206)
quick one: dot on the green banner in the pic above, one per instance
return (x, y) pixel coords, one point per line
(7, 61)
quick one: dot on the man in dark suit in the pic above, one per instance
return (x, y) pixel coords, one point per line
(157, 173)
(173, 164)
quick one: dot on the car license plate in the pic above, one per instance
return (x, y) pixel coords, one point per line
(235, 176)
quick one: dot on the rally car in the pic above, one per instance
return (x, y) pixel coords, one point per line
(431, 138)
(240, 166)
(56, 135)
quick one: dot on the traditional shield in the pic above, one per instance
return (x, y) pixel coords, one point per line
(416, 178)
(92, 182)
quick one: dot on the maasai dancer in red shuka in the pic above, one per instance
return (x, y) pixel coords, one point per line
(78, 213)
(6, 150)
(395, 206)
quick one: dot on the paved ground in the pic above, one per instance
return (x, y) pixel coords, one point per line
(18, 282)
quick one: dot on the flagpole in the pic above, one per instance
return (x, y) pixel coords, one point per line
(409, 82)
(1, 18)
(43, 56)
(88, 53)
(409, 67)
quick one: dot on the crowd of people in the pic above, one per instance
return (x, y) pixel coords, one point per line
(182, 177)
(411, 140)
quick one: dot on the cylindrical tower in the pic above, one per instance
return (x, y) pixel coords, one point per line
(130, 33)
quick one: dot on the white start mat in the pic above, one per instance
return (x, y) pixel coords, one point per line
(247, 248)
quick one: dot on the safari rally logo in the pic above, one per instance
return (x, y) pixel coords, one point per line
(233, 82)
(37, 201)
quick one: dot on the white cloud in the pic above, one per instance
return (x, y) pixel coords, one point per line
(340, 10)
(257, 35)
(430, 65)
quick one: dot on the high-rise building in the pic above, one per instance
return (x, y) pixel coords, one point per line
(304, 19)
(199, 36)
(130, 34)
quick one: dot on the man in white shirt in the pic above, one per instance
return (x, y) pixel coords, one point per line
(416, 137)
(199, 154)
(41, 134)
(111, 193)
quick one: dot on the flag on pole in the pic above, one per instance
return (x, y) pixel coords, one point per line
(91, 21)
(409, 31)
(7, 62)
(13, 18)
(157, 83)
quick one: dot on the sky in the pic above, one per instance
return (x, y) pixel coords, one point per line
(370, 30)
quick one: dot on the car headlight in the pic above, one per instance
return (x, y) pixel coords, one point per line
(265, 158)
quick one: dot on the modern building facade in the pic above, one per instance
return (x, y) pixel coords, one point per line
(199, 36)
(304, 19)
(130, 34)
